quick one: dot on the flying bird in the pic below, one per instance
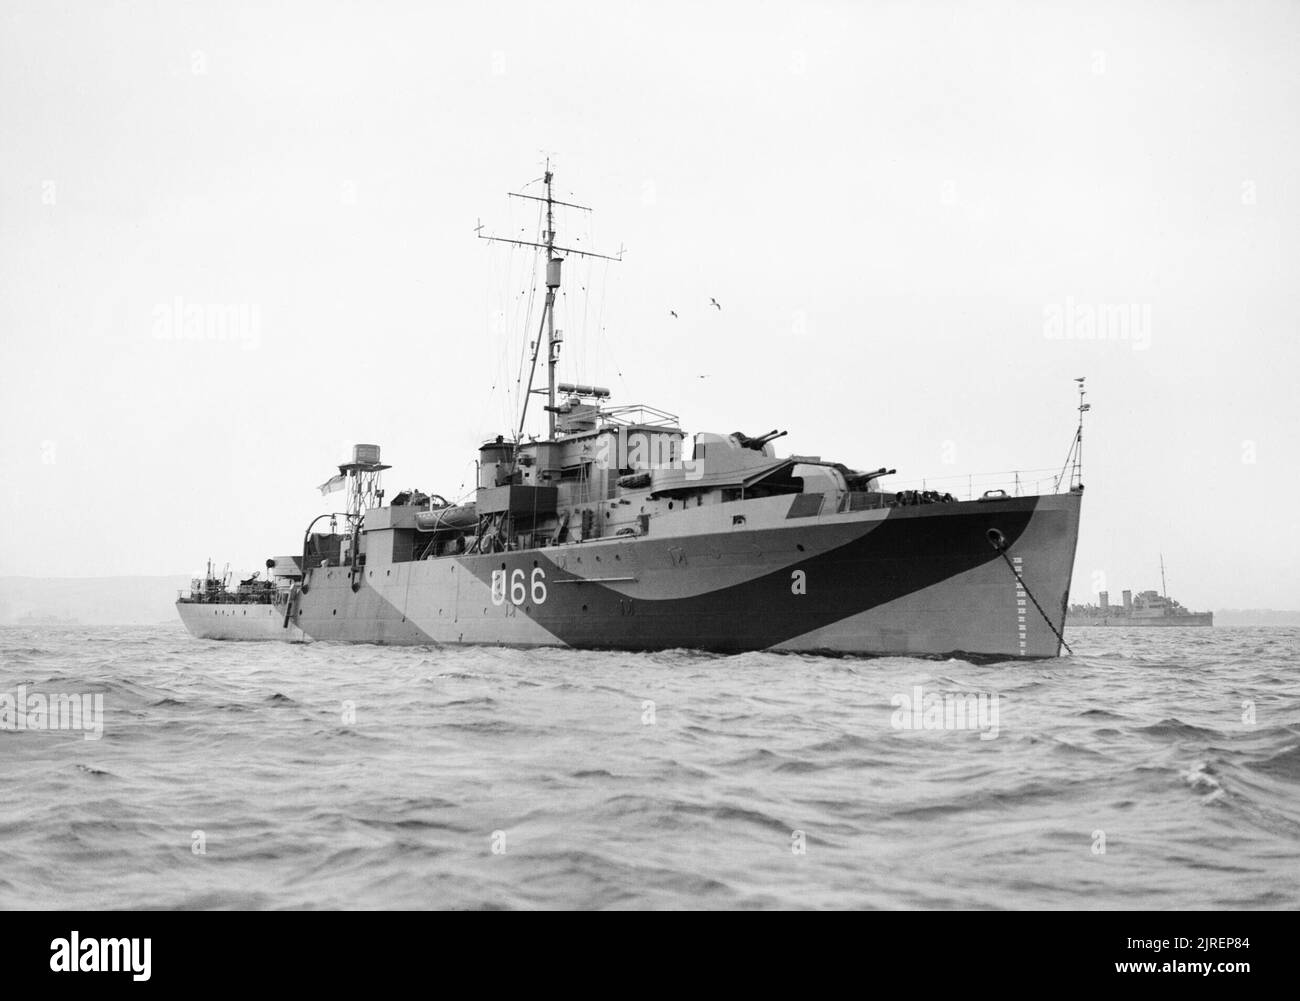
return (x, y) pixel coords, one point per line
(714, 303)
(673, 313)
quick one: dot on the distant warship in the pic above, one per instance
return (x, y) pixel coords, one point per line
(1147, 608)
(614, 530)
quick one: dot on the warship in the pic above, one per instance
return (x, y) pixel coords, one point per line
(253, 610)
(1146, 608)
(614, 529)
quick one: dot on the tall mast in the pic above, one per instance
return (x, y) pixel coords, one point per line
(553, 338)
(1164, 590)
(1074, 457)
(1076, 475)
(552, 283)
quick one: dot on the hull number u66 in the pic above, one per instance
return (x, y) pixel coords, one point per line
(518, 588)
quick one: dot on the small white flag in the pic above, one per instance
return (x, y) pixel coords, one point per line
(332, 484)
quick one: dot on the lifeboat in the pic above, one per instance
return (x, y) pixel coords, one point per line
(445, 518)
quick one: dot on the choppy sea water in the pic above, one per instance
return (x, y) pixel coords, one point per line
(1153, 769)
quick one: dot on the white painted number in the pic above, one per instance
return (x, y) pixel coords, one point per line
(519, 587)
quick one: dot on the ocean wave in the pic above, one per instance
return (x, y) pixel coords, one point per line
(327, 775)
(1284, 764)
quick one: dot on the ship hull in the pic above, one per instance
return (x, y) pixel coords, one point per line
(231, 621)
(1162, 622)
(913, 580)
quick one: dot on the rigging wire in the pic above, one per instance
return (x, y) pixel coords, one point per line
(604, 289)
(587, 360)
(498, 371)
(589, 363)
(516, 404)
(507, 320)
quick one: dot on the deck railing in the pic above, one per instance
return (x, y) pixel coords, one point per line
(192, 597)
(972, 486)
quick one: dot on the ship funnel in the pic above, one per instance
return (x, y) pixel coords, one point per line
(1128, 600)
(496, 463)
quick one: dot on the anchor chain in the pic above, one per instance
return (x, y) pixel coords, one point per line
(998, 541)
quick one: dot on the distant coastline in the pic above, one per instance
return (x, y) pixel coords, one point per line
(75, 602)
(1256, 617)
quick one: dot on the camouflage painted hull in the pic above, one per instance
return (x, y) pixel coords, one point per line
(904, 580)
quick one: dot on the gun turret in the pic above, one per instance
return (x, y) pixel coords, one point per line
(757, 443)
(858, 479)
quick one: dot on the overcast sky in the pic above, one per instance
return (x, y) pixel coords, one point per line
(913, 215)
